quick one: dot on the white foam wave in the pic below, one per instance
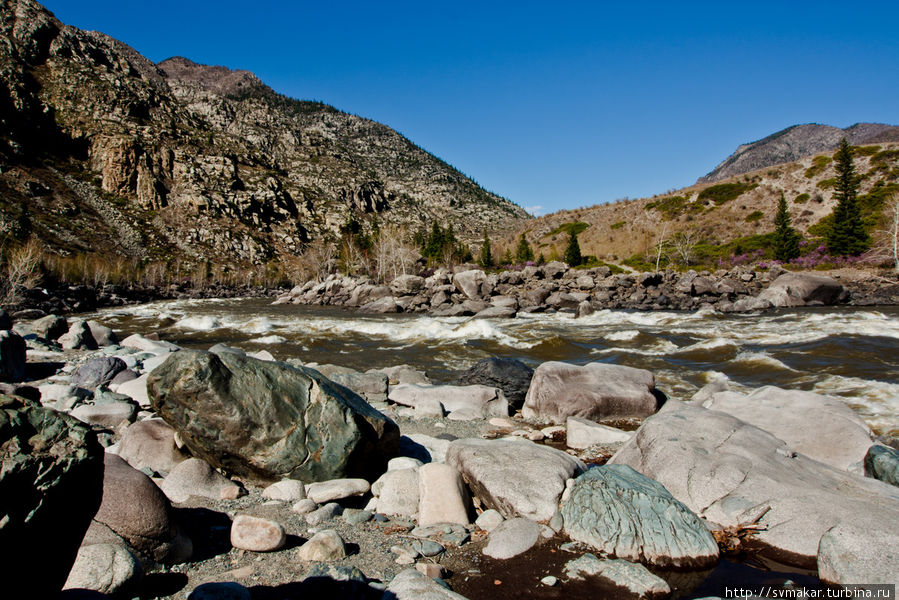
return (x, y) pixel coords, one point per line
(269, 339)
(623, 336)
(659, 348)
(200, 323)
(876, 401)
(712, 344)
(761, 358)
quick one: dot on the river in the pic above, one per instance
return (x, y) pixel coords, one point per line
(850, 353)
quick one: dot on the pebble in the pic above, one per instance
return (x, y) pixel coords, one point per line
(336, 489)
(257, 534)
(489, 520)
(324, 514)
(287, 490)
(549, 580)
(432, 570)
(304, 506)
(512, 538)
(355, 516)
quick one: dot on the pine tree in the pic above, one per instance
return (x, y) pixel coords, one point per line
(847, 235)
(485, 258)
(573, 251)
(786, 240)
(523, 252)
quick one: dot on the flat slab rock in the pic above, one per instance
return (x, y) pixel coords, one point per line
(491, 468)
(483, 400)
(633, 577)
(624, 514)
(594, 391)
(733, 473)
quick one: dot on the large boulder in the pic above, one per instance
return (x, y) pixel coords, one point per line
(110, 569)
(268, 421)
(510, 375)
(735, 474)
(12, 356)
(98, 371)
(594, 391)
(847, 556)
(821, 427)
(51, 483)
(50, 327)
(800, 289)
(480, 400)
(492, 469)
(151, 444)
(882, 462)
(79, 337)
(469, 283)
(624, 514)
(134, 511)
(407, 285)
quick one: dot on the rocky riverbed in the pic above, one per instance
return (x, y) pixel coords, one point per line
(216, 473)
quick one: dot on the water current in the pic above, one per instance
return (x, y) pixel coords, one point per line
(850, 353)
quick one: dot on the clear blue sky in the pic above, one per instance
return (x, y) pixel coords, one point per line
(550, 106)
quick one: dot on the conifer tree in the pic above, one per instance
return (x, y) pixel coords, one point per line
(523, 252)
(786, 240)
(846, 235)
(573, 251)
(485, 258)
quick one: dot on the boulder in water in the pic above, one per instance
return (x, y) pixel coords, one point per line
(801, 289)
(267, 421)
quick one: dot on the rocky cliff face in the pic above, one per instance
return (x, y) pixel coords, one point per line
(102, 149)
(794, 143)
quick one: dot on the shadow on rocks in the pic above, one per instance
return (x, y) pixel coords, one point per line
(317, 587)
(209, 530)
(159, 585)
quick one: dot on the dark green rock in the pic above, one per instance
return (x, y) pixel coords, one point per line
(51, 484)
(882, 462)
(12, 356)
(266, 421)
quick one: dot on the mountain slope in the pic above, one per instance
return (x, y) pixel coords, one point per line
(102, 150)
(796, 142)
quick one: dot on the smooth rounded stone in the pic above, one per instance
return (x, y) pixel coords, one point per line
(470, 282)
(107, 568)
(398, 492)
(194, 477)
(634, 577)
(582, 433)
(491, 470)
(428, 548)
(144, 344)
(336, 489)
(50, 327)
(324, 545)
(54, 393)
(97, 371)
(429, 408)
(799, 289)
(78, 337)
(12, 356)
(466, 414)
(371, 386)
(268, 421)
(323, 514)
(594, 391)
(809, 423)
(847, 556)
(549, 580)
(404, 374)
(151, 443)
(108, 415)
(424, 447)
(882, 462)
(510, 375)
(403, 462)
(51, 484)
(624, 514)
(257, 534)
(483, 400)
(442, 495)
(512, 537)
(489, 520)
(220, 590)
(286, 490)
(410, 584)
(103, 335)
(304, 506)
(135, 510)
(733, 474)
(356, 516)
(137, 389)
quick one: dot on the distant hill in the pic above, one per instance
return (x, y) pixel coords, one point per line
(103, 151)
(797, 142)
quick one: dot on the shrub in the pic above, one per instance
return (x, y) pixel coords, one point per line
(725, 192)
(819, 163)
(754, 216)
(801, 199)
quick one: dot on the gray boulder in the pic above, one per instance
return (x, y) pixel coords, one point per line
(407, 285)
(496, 312)
(594, 391)
(50, 327)
(268, 421)
(383, 305)
(12, 356)
(512, 537)
(194, 477)
(639, 581)
(470, 282)
(847, 556)
(51, 483)
(106, 568)
(734, 474)
(151, 444)
(79, 337)
(491, 470)
(103, 335)
(412, 585)
(371, 386)
(98, 371)
(134, 511)
(483, 401)
(107, 415)
(882, 462)
(821, 427)
(624, 514)
(510, 375)
(800, 289)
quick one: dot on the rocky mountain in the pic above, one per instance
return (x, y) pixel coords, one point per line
(102, 150)
(796, 142)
